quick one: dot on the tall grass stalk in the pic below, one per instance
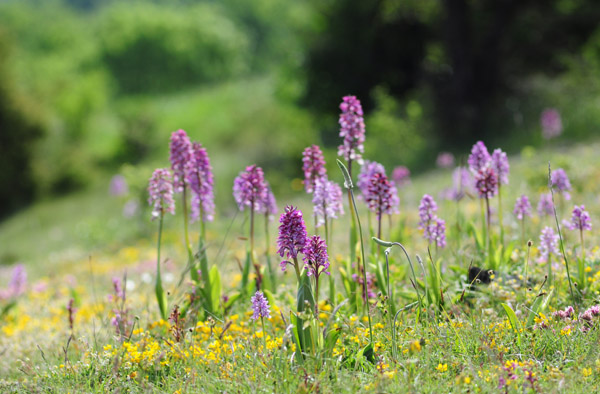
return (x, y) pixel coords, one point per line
(160, 294)
(354, 211)
(562, 245)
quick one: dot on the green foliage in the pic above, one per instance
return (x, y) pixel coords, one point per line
(396, 133)
(174, 48)
(20, 129)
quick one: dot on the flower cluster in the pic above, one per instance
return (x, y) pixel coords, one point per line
(260, 306)
(160, 190)
(327, 200)
(545, 206)
(199, 177)
(316, 259)
(488, 170)
(522, 207)
(551, 123)
(427, 210)
(313, 165)
(548, 244)
(181, 154)
(352, 129)
(436, 232)
(434, 228)
(580, 219)
(462, 184)
(250, 189)
(564, 314)
(269, 206)
(486, 182)
(365, 175)
(381, 195)
(560, 182)
(292, 234)
(401, 176)
(500, 165)
(445, 160)
(371, 284)
(479, 158)
(587, 317)
(17, 283)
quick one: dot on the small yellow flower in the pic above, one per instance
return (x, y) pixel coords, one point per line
(587, 372)
(467, 380)
(442, 367)
(415, 346)
(588, 269)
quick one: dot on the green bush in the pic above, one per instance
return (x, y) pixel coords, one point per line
(175, 48)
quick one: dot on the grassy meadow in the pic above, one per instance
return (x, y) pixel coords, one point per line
(460, 337)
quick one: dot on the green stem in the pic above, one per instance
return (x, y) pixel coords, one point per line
(252, 257)
(262, 323)
(205, 273)
(500, 213)
(523, 230)
(582, 261)
(550, 276)
(378, 232)
(362, 251)
(487, 233)
(267, 253)
(317, 296)
(160, 295)
(297, 269)
(562, 246)
(193, 271)
(457, 225)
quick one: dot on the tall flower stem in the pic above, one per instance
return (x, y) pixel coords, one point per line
(204, 263)
(252, 257)
(317, 296)
(457, 225)
(192, 265)
(353, 238)
(267, 254)
(562, 246)
(262, 323)
(483, 219)
(410, 264)
(378, 231)
(550, 276)
(581, 264)
(500, 213)
(331, 279)
(297, 269)
(160, 295)
(348, 184)
(487, 232)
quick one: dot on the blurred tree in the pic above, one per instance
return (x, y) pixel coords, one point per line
(18, 131)
(174, 49)
(470, 55)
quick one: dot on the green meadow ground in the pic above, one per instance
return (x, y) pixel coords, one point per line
(73, 248)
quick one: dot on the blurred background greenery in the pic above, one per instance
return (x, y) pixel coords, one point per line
(89, 89)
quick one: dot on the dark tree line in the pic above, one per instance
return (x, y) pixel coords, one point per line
(486, 48)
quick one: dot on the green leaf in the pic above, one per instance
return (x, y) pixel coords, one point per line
(296, 336)
(303, 297)
(514, 322)
(232, 299)
(215, 288)
(245, 273)
(539, 305)
(474, 232)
